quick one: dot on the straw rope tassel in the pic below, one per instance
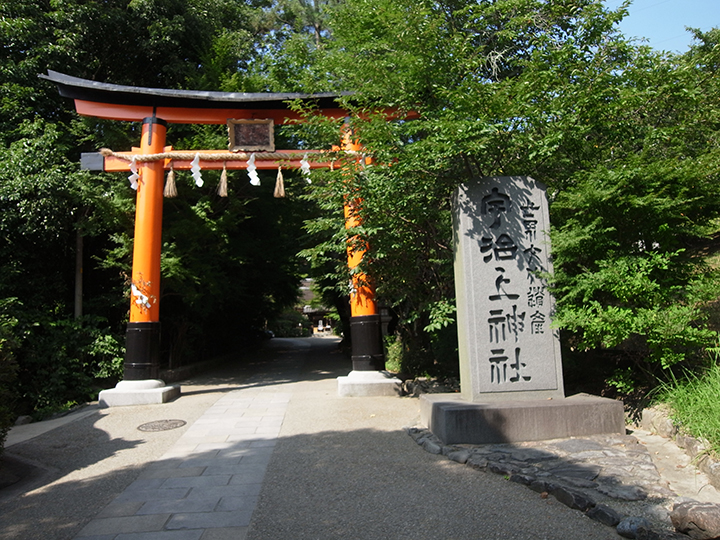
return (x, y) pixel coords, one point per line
(223, 186)
(279, 185)
(170, 188)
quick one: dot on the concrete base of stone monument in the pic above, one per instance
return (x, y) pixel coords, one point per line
(368, 384)
(456, 421)
(147, 392)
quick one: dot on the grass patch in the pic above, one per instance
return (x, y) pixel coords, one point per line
(695, 405)
(393, 354)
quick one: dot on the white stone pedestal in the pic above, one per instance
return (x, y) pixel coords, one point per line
(368, 383)
(145, 392)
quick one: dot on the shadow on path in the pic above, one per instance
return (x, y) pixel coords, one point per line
(54, 498)
(340, 468)
(71, 473)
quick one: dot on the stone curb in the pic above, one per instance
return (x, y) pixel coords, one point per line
(560, 488)
(657, 421)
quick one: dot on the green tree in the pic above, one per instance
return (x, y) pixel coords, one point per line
(44, 203)
(546, 89)
(214, 282)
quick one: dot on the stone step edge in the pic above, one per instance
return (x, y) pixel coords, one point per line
(627, 526)
(657, 420)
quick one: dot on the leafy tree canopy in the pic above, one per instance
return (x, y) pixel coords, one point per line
(624, 137)
(219, 277)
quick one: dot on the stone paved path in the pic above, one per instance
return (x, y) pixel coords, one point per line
(274, 453)
(210, 479)
(207, 484)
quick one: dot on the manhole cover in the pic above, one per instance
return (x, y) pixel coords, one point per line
(162, 425)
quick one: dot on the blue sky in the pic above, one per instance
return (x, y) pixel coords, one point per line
(663, 22)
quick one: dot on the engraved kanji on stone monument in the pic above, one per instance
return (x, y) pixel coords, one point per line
(508, 349)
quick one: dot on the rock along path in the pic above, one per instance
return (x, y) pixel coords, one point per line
(269, 451)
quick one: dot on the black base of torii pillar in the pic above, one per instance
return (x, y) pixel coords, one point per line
(366, 339)
(368, 377)
(142, 351)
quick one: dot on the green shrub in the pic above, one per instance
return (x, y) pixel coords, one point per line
(393, 354)
(60, 360)
(8, 375)
(646, 301)
(695, 405)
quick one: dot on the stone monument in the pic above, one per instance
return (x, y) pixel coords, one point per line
(510, 363)
(507, 348)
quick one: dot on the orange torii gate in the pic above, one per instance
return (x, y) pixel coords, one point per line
(155, 108)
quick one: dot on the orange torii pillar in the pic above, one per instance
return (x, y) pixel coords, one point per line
(365, 335)
(140, 384)
(142, 357)
(368, 377)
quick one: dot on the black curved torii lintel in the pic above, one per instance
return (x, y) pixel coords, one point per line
(133, 103)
